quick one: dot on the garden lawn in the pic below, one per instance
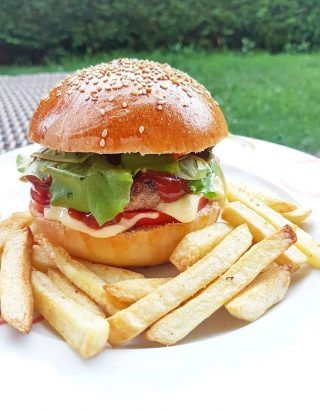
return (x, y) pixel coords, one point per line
(271, 97)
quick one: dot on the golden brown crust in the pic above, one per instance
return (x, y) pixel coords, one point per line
(128, 105)
(143, 247)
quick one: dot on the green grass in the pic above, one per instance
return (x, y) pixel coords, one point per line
(271, 97)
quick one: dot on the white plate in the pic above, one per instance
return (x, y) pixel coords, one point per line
(225, 362)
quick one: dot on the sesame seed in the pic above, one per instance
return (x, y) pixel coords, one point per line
(104, 133)
(140, 75)
(102, 143)
(141, 129)
(124, 104)
(159, 107)
(58, 93)
(102, 111)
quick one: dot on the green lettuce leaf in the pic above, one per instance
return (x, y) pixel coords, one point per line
(93, 186)
(136, 162)
(204, 186)
(61, 156)
(29, 166)
(193, 168)
(213, 185)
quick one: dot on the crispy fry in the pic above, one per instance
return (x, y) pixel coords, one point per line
(269, 288)
(73, 292)
(306, 243)
(41, 261)
(130, 291)
(197, 244)
(15, 286)
(180, 322)
(84, 331)
(298, 216)
(237, 213)
(80, 275)
(14, 222)
(111, 274)
(128, 323)
(270, 200)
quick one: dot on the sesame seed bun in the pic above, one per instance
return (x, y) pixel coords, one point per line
(141, 247)
(128, 105)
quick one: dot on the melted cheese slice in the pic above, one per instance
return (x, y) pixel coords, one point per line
(61, 214)
(184, 210)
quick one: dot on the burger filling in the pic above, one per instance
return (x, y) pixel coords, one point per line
(104, 195)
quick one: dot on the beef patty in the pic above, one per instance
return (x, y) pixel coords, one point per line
(143, 195)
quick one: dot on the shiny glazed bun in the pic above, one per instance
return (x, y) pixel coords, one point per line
(125, 106)
(141, 247)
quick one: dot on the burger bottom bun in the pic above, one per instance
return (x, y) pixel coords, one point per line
(141, 247)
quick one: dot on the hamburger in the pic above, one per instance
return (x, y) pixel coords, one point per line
(126, 168)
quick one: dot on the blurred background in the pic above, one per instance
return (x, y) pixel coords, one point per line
(259, 58)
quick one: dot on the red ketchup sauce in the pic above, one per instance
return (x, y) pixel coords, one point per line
(91, 222)
(170, 188)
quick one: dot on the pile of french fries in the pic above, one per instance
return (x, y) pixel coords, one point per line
(243, 263)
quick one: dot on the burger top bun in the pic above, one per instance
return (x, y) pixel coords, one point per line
(128, 106)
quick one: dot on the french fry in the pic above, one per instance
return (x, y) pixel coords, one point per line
(180, 322)
(13, 223)
(111, 274)
(80, 275)
(130, 291)
(305, 242)
(237, 213)
(41, 261)
(84, 331)
(15, 285)
(73, 292)
(270, 200)
(269, 288)
(131, 321)
(197, 244)
(298, 216)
